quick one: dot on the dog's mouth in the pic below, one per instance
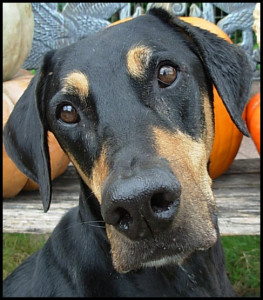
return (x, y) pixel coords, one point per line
(171, 247)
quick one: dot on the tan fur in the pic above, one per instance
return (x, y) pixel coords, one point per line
(76, 83)
(138, 59)
(188, 160)
(99, 173)
(208, 135)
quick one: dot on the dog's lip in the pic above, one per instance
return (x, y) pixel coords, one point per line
(176, 259)
(155, 254)
(159, 258)
(167, 247)
(156, 259)
(170, 259)
(162, 252)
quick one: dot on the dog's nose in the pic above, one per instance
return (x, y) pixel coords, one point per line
(141, 205)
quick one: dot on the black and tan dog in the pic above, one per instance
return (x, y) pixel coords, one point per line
(132, 107)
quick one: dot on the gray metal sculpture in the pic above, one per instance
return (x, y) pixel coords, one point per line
(54, 29)
(240, 17)
(177, 9)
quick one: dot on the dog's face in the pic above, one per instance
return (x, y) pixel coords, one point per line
(132, 107)
(138, 127)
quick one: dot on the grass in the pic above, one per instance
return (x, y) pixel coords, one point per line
(243, 264)
(17, 247)
(242, 258)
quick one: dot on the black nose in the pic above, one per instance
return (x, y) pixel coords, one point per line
(141, 205)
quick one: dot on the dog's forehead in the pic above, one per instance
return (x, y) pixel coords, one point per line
(117, 53)
(144, 29)
(99, 51)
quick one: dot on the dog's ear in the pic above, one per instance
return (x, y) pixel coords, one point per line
(225, 63)
(25, 134)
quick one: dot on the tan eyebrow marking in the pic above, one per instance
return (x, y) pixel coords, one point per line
(76, 83)
(138, 59)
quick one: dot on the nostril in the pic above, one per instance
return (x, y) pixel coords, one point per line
(163, 204)
(123, 219)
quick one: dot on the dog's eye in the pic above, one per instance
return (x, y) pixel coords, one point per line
(68, 114)
(166, 76)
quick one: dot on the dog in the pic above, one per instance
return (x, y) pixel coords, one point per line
(132, 107)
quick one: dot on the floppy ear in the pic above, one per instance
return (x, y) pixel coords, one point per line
(226, 64)
(25, 135)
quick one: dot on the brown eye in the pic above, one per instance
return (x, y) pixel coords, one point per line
(68, 114)
(166, 76)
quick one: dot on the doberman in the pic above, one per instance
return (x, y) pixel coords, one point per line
(132, 107)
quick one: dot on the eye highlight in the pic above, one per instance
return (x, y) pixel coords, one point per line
(166, 75)
(68, 114)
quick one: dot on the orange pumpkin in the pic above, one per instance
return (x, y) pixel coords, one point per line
(227, 137)
(253, 119)
(14, 180)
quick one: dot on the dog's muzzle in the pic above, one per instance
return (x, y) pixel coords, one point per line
(142, 205)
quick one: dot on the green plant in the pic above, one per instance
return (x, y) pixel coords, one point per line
(17, 247)
(61, 6)
(243, 263)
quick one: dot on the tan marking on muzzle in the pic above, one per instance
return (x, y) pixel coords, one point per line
(188, 160)
(100, 172)
(209, 133)
(76, 83)
(138, 59)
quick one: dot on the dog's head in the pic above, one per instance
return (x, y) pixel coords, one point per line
(132, 107)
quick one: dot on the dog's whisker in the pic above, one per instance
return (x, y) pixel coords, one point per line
(89, 223)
